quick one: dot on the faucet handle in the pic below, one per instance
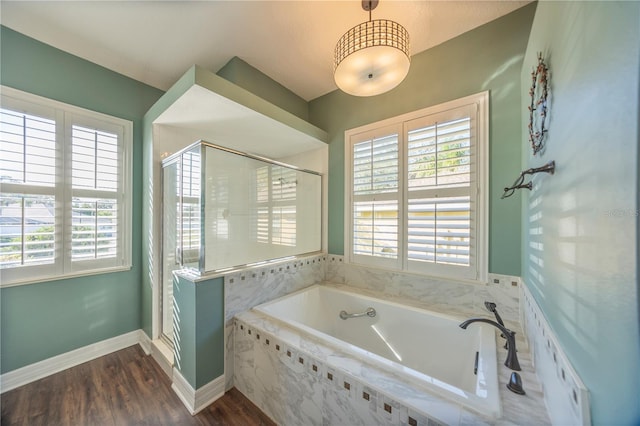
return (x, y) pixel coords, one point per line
(515, 384)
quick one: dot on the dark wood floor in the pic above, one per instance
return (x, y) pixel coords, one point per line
(123, 388)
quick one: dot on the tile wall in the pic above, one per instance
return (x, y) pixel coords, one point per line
(317, 385)
(440, 295)
(253, 286)
(298, 379)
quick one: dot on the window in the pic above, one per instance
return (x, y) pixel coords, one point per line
(65, 190)
(416, 191)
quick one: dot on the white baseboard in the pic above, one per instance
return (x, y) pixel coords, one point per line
(145, 342)
(209, 393)
(163, 355)
(196, 400)
(49, 366)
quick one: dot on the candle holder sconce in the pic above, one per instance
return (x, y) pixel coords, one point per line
(550, 168)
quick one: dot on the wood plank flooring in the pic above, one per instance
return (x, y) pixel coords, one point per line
(126, 387)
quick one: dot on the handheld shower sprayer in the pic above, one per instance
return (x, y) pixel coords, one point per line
(491, 307)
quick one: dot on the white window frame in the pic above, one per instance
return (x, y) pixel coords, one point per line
(66, 116)
(478, 274)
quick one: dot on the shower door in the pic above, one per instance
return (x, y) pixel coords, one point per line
(181, 226)
(170, 260)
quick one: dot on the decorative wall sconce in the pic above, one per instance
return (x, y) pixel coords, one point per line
(550, 168)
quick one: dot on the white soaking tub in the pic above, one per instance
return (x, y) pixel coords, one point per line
(425, 348)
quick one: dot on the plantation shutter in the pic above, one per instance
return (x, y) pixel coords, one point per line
(65, 180)
(375, 197)
(94, 206)
(441, 192)
(28, 177)
(94, 170)
(415, 191)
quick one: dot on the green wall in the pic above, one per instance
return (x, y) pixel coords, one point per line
(199, 330)
(585, 217)
(42, 320)
(486, 58)
(244, 75)
(209, 331)
(184, 334)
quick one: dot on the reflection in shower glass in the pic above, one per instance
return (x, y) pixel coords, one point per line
(266, 210)
(189, 222)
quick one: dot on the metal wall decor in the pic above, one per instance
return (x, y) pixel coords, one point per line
(538, 109)
(550, 168)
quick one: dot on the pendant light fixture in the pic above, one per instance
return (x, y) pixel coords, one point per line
(373, 57)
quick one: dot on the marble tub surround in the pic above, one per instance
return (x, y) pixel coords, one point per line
(251, 286)
(439, 295)
(517, 409)
(329, 385)
(566, 396)
(325, 387)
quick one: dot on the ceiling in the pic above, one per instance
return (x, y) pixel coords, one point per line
(291, 41)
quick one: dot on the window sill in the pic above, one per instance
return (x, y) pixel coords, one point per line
(28, 281)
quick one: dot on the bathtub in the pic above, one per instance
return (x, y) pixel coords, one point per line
(424, 348)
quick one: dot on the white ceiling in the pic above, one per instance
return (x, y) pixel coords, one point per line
(291, 41)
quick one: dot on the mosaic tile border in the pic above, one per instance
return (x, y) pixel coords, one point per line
(566, 396)
(384, 407)
(274, 268)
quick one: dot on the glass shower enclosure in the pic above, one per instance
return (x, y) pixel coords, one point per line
(225, 209)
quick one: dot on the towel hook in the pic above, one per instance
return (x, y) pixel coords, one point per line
(550, 168)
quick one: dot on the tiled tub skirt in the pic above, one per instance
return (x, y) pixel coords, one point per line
(298, 380)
